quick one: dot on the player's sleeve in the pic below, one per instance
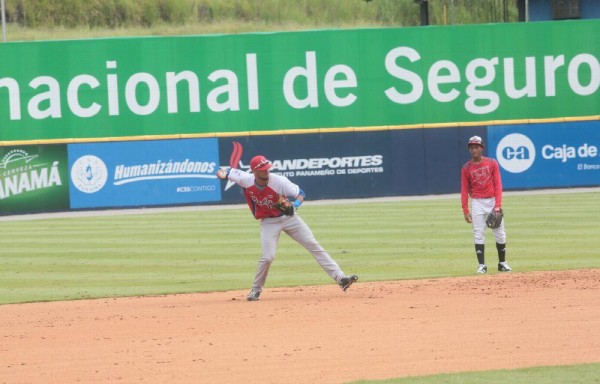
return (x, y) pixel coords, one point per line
(497, 184)
(464, 189)
(244, 179)
(288, 188)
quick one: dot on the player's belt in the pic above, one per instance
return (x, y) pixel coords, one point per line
(273, 217)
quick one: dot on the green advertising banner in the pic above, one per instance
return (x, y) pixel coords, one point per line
(34, 178)
(222, 84)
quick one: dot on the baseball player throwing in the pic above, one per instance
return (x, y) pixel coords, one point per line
(263, 191)
(480, 179)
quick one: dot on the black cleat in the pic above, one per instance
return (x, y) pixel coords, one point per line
(253, 295)
(504, 267)
(347, 281)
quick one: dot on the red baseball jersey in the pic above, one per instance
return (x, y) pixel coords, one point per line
(480, 181)
(262, 200)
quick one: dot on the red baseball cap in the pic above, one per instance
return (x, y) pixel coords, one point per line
(476, 140)
(259, 163)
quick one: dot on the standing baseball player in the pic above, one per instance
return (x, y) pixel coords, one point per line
(480, 179)
(266, 195)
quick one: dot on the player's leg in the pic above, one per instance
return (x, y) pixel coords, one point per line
(478, 214)
(297, 229)
(270, 230)
(500, 237)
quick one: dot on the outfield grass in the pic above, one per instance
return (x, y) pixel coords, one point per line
(571, 374)
(210, 250)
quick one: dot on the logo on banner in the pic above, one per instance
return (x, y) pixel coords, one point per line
(312, 167)
(89, 174)
(515, 153)
(21, 172)
(235, 160)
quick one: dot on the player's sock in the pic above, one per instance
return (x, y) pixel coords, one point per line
(480, 251)
(501, 252)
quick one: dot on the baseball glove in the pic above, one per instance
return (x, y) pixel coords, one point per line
(494, 219)
(284, 205)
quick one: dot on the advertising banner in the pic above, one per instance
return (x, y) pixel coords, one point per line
(143, 173)
(547, 155)
(330, 165)
(357, 164)
(200, 85)
(33, 178)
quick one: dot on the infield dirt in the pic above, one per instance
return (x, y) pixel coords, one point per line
(316, 334)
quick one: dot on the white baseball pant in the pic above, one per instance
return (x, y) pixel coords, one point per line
(295, 227)
(480, 208)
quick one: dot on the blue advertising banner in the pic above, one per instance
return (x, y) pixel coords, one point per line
(334, 165)
(143, 173)
(357, 164)
(547, 155)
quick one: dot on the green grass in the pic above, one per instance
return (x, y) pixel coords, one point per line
(211, 250)
(16, 32)
(572, 374)
(197, 251)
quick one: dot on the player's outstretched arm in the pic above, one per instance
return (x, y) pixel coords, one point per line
(222, 174)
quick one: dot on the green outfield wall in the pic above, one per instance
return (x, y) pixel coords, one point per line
(156, 87)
